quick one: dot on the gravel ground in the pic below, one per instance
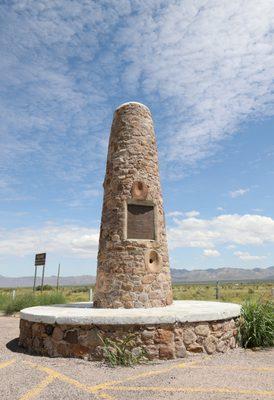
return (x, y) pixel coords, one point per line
(237, 375)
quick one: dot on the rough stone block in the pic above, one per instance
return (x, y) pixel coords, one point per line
(71, 336)
(202, 330)
(57, 334)
(210, 344)
(180, 351)
(164, 336)
(189, 336)
(195, 348)
(166, 352)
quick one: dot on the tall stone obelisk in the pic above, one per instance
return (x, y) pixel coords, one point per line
(133, 264)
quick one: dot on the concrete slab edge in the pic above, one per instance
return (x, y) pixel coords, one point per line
(179, 311)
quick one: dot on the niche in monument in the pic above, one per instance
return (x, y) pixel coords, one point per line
(140, 222)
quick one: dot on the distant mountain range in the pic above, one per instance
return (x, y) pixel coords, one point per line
(26, 281)
(222, 274)
(178, 276)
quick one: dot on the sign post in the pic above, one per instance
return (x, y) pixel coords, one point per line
(40, 260)
(35, 275)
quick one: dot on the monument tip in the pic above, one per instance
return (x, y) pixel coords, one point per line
(129, 103)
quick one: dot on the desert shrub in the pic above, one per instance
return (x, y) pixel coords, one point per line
(80, 289)
(45, 287)
(31, 299)
(256, 327)
(122, 352)
(4, 299)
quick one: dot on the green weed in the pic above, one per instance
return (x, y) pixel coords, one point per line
(256, 328)
(4, 299)
(30, 299)
(122, 351)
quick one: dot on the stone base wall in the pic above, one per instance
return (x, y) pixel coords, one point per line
(165, 341)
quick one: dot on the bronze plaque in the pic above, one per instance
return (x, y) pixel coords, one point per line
(140, 222)
(40, 259)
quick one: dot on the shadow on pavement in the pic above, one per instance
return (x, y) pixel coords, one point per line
(13, 345)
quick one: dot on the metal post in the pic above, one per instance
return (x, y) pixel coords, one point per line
(13, 294)
(90, 295)
(43, 274)
(58, 277)
(217, 290)
(35, 275)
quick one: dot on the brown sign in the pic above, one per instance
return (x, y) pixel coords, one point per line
(140, 222)
(40, 259)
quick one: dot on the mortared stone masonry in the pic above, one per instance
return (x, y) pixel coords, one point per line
(133, 264)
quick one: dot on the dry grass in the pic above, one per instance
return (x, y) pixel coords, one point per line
(229, 292)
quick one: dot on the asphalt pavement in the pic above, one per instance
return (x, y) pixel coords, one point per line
(239, 374)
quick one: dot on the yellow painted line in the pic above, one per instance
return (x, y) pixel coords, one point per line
(234, 367)
(7, 363)
(191, 390)
(64, 378)
(101, 386)
(110, 385)
(105, 396)
(143, 375)
(34, 392)
(60, 376)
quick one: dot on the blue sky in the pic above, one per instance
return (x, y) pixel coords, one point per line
(205, 69)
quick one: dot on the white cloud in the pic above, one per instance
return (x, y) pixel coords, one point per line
(81, 198)
(67, 239)
(174, 214)
(80, 241)
(224, 229)
(245, 256)
(188, 214)
(238, 193)
(207, 64)
(258, 210)
(54, 106)
(192, 214)
(211, 253)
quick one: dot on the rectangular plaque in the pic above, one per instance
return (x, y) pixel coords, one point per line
(140, 222)
(40, 259)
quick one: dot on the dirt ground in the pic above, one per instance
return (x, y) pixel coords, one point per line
(237, 375)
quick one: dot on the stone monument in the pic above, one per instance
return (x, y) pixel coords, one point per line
(133, 265)
(133, 269)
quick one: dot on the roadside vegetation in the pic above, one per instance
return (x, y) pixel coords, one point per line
(236, 292)
(28, 299)
(256, 327)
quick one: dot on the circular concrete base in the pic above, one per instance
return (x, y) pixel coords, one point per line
(84, 313)
(76, 330)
